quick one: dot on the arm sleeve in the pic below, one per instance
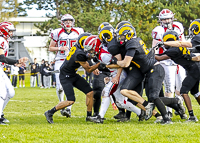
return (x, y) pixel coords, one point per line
(130, 52)
(81, 57)
(9, 61)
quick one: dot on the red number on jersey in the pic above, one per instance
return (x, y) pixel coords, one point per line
(2, 44)
(155, 34)
(72, 42)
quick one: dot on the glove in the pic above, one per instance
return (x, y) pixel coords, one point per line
(188, 57)
(159, 44)
(113, 60)
(102, 66)
(95, 59)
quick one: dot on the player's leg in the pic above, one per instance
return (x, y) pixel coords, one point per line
(195, 92)
(169, 83)
(9, 94)
(98, 85)
(67, 84)
(153, 85)
(188, 83)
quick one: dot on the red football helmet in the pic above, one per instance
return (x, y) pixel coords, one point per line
(5, 28)
(92, 43)
(67, 17)
(166, 14)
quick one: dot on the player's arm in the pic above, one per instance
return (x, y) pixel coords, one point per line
(53, 47)
(154, 42)
(161, 57)
(115, 66)
(178, 44)
(9, 61)
(87, 67)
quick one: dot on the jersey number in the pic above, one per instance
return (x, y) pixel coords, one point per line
(71, 52)
(184, 50)
(64, 43)
(144, 47)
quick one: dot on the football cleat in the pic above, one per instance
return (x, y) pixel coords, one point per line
(159, 119)
(142, 115)
(170, 114)
(4, 119)
(49, 117)
(192, 119)
(120, 115)
(66, 113)
(96, 119)
(166, 122)
(149, 110)
(124, 119)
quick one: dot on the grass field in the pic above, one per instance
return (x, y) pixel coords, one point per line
(28, 124)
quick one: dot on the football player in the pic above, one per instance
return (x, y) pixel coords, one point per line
(174, 74)
(82, 51)
(134, 51)
(62, 39)
(182, 56)
(6, 88)
(112, 88)
(98, 80)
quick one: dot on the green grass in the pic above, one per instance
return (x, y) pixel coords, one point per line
(28, 124)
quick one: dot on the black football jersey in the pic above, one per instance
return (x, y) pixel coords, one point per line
(70, 65)
(113, 47)
(176, 54)
(142, 57)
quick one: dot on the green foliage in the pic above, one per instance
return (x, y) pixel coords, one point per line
(89, 14)
(28, 124)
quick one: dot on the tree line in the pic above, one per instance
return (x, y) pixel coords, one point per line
(89, 14)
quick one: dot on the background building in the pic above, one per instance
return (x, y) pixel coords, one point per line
(27, 43)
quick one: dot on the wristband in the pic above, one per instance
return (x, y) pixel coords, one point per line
(59, 48)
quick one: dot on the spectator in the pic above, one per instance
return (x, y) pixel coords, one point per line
(47, 75)
(41, 73)
(37, 70)
(33, 75)
(52, 66)
(22, 71)
(7, 70)
(14, 73)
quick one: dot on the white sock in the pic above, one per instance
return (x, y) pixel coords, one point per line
(104, 106)
(1, 105)
(5, 102)
(130, 107)
(60, 96)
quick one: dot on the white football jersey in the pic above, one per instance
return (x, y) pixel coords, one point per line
(158, 33)
(64, 39)
(106, 57)
(4, 44)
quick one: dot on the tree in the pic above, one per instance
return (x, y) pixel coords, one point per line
(10, 8)
(88, 14)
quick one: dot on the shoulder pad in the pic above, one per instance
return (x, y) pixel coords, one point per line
(78, 30)
(133, 43)
(113, 47)
(157, 33)
(55, 34)
(178, 27)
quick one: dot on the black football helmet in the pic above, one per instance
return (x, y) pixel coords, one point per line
(122, 23)
(170, 35)
(82, 38)
(125, 33)
(102, 25)
(106, 34)
(194, 28)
